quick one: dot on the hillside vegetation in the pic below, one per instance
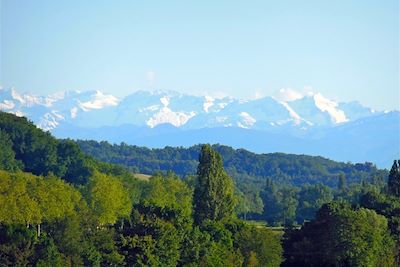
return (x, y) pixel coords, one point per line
(62, 207)
(241, 164)
(283, 182)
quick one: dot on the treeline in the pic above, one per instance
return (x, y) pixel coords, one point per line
(59, 207)
(279, 188)
(242, 165)
(364, 234)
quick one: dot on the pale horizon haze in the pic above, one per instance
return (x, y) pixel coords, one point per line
(347, 50)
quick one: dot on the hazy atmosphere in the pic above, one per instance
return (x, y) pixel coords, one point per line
(347, 50)
(199, 133)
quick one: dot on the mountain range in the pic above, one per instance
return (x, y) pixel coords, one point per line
(288, 122)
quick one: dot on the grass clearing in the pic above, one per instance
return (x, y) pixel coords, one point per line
(141, 176)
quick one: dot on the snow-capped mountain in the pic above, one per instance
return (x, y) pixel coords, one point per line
(286, 122)
(143, 108)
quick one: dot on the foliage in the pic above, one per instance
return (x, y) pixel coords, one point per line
(213, 195)
(249, 170)
(39, 153)
(170, 193)
(259, 246)
(388, 206)
(394, 179)
(7, 154)
(107, 198)
(244, 166)
(280, 204)
(341, 236)
(29, 199)
(311, 198)
(59, 207)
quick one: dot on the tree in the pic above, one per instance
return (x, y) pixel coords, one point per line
(341, 236)
(29, 199)
(280, 203)
(213, 195)
(342, 183)
(311, 198)
(71, 163)
(159, 223)
(394, 179)
(388, 206)
(7, 155)
(259, 246)
(107, 198)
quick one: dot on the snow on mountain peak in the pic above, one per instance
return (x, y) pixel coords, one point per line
(15, 95)
(292, 113)
(6, 105)
(100, 101)
(25, 99)
(209, 102)
(246, 120)
(50, 120)
(158, 107)
(166, 115)
(18, 113)
(165, 101)
(48, 101)
(74, 112)
(329, 106)
(287, 95)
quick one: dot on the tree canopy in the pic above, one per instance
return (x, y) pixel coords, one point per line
(213, 197)
(394, 179)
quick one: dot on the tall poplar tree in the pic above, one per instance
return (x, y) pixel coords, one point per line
(213, 195)
(342, 183)
(394, 179)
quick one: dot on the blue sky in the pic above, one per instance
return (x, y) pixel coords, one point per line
(347, 50)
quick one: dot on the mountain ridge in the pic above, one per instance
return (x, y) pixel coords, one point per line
(144, 108)
(292, 123)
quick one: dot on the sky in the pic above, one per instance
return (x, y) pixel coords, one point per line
(346, 49)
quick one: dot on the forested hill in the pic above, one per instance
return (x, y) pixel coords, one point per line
(242, 165)
(60, 207)
(24, 147)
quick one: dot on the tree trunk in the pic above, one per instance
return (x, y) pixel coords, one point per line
(38, 230)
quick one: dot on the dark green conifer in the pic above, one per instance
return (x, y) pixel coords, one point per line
(342, 182)
(213, 195)
(394, 179)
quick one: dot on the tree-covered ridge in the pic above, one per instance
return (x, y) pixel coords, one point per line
(242, 165)
(278, 188)
(107, 217)
(68, 209)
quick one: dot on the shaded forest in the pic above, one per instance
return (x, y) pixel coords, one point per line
(278, 188)
(60, 206)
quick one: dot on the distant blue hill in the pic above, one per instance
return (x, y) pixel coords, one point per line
(374, 139)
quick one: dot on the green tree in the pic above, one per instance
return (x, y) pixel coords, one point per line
(311, 198)
(280, 203)
(213, 195)
(341, 236)
(151, 239)
(388, 206)
(170, 192)
(107, 198)
(259, 246)
(394, 179)
(342, 183)
(71, 163)
(7, 155)
(17, 244)
(31, 200)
